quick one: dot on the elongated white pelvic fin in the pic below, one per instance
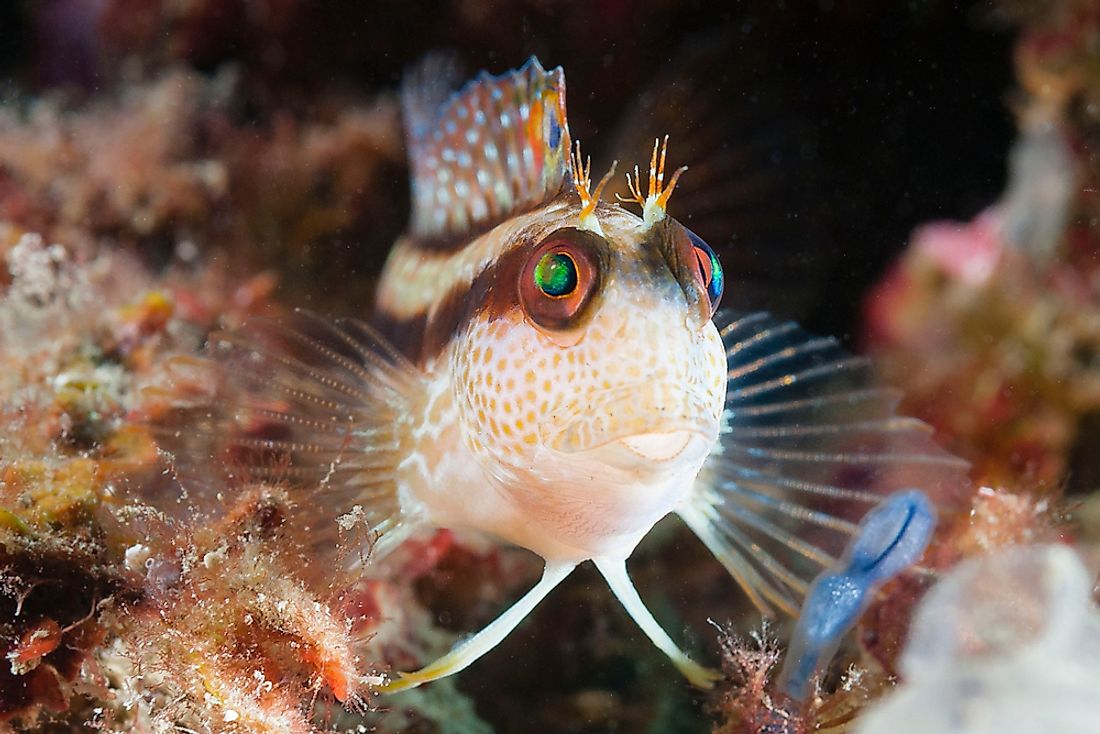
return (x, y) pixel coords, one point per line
(614, 570)
(466, 652)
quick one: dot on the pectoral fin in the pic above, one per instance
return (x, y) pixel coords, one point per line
(315, 406)
(811, 444)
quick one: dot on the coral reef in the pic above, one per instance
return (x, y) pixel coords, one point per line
(1002, 312)
(209, 621)
(170, 169)
(166, 168)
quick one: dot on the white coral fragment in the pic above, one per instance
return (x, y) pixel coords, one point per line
(1005, 644)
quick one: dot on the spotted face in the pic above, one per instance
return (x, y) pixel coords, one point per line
(592, 373)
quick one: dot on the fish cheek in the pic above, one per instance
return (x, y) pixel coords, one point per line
(505, 376)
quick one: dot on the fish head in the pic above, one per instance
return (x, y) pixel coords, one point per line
(591, 368)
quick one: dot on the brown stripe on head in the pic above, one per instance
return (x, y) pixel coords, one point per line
(415, 277)
(498, 290)
(423, 336)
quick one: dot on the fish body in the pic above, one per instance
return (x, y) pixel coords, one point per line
(552, 370)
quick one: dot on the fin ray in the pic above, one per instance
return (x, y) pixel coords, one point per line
(497, 146)
(811, 442)
(763, 481)
(735, 536)
(315, 406)
(798, 511)
(763, 594)
(736, 512)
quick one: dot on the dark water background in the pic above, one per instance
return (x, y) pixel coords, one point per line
(901, 107)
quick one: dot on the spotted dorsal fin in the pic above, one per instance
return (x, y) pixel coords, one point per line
(498, 146)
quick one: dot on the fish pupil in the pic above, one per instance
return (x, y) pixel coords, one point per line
(556, 274)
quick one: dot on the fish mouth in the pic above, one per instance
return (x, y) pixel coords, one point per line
(660, 450)
(664, 444)
(646, 426)
(660, 446)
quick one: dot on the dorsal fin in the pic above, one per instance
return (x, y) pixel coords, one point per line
(498, 146)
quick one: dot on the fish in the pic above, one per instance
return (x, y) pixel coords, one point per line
(554, 371)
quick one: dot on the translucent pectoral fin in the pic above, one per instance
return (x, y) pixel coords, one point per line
(614, 570)
(465, 653)
(811, 443)
(319, 408)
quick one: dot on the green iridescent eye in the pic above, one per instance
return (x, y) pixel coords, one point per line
(556, 274)
(559, 279)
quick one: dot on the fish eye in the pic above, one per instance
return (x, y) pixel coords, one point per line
(710, 270)
(556, 274)
(559, 279)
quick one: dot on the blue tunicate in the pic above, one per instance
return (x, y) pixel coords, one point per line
(891, 537)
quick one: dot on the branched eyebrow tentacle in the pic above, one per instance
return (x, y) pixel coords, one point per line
(582, 182)
(653, 205)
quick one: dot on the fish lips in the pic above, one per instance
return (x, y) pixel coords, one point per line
(619, 434)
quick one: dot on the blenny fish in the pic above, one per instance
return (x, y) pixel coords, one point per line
(551, 369)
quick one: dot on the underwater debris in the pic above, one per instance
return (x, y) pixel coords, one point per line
(1004, 643)
(752, 703)
(749, 706)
